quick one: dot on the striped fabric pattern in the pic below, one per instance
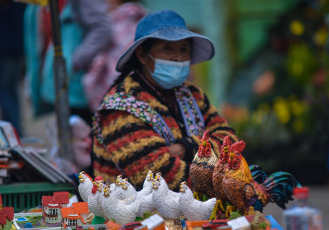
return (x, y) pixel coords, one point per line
(131, 146)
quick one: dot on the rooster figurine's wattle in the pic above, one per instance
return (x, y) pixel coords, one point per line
(202, 167)
(243, 191)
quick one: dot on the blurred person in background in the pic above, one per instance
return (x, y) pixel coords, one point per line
(152, 118)
(124, 16)
(11, 61)
(85, 31)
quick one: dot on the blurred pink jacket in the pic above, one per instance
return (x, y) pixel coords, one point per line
(102, 73)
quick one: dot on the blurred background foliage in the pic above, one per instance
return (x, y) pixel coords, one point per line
(278, 99)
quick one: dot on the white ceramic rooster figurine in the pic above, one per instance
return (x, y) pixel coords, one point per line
(162, 180)
(148, 184)
(165, 200)
(85, 185)
(122, 211)
(95, 195)
(128, 193)
(118, 185)
(192, 208)
(144, 196)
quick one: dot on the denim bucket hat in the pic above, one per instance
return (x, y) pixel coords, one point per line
(170, 26)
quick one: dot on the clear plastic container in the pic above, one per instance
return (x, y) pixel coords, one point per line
(301, 216)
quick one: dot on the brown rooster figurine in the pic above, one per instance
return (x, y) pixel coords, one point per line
(220, 166)
(243, 191)
(202, 167)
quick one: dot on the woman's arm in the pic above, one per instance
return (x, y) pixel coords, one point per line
(131, 147)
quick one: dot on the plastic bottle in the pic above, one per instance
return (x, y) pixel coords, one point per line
(301, 216)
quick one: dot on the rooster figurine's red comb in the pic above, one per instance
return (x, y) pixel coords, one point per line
(205, 146)
(205, 135)
(227, 142)
(96, 179)
(239, 146)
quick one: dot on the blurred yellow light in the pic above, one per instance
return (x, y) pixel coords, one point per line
(320, 37)
(296, 27)
(297, 68)
(281, 109)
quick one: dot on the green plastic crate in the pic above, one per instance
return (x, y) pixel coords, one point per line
(23, 196)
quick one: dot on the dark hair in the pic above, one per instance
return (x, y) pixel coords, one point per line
(133, 62)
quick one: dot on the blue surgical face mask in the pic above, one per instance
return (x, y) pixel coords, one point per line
(169, 74)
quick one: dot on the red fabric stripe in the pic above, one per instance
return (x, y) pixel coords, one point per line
(108, 170)
(139, 165)
(96, 142)
(144, 96)
(171, 123)
(197, 96)
(120, 143)
(107, 120)
(216, 120)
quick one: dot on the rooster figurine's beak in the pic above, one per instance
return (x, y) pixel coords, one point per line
(231, 155)
(99, 188)
(81, 180)
(155, 186)
(150, 176)
(106, 194)
(181, 189)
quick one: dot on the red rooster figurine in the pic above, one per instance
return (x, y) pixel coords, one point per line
(244, 192)
(202, 167)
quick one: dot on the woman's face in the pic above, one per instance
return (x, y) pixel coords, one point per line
(168, 50)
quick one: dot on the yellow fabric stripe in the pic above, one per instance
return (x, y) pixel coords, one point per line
(100, 151)
(215, 147)
(156, 165)
(196, 139)
(130, 83)
(133, 147)
(119, 123)
(212, 109)
(156, 104)
(176, 133)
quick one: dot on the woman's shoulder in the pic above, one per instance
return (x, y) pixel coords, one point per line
(193, 88)
(123, 86)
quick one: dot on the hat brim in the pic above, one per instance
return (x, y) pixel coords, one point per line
(202, 48)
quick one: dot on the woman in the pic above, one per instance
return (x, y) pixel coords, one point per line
(152, 119)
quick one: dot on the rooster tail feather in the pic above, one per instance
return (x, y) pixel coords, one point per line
(279, 186)
(257, 173)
